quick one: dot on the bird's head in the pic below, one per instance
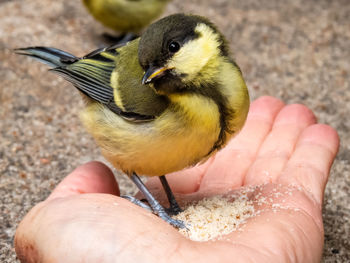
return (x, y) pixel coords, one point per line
(180, 50)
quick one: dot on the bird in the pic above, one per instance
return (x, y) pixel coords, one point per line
(126, 16)
(160, 103)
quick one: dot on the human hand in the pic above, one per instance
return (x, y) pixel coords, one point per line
(280, 149)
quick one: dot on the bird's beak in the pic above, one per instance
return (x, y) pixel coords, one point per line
(152, 73)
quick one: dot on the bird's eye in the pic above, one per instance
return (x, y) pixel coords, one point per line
(174, 47)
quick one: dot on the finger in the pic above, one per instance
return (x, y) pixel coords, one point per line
(279, 144)
(312, 159)
(231, 164)
(183, 182)
(92, 177)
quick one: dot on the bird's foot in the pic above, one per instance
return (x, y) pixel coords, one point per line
(161, 212)
(174, 222)
(156, 207)
(158, 210)
(174, 209)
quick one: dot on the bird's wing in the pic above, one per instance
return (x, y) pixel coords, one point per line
(92, 76)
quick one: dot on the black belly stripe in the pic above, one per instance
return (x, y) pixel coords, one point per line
(223, 128)
(212, 92)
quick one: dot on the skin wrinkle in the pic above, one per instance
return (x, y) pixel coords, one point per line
(275, 153)
(315, 150)
(287, 251)
(305, 235)
(263, 252)
(188, 246)
(260, 117)
(301, 230)
(248, 155)
(175, 253)
(300, 129)
(307, 140)
(309, 197)
(310, 166)
(285, 155)
(310, 142)
(263, 249)
(275, 157)
(301, 184)
(261, 142)
(129, 242)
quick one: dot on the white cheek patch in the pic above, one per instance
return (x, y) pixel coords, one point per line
(196, 53)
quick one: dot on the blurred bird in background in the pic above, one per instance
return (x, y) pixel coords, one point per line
(127, 17)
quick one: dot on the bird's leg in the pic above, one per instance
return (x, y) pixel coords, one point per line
(174, 206)
(154, 204)
(121, 39)
(137, 202)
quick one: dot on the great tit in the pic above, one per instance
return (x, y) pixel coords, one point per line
(126, 16)
(160, 103)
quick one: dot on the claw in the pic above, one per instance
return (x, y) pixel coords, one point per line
(156, 207)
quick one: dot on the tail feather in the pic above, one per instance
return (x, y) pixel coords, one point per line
(51, 56)
(91, 74)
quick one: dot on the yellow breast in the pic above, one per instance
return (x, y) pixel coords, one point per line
(182, 136)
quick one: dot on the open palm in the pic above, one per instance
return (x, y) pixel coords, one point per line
(281, 155)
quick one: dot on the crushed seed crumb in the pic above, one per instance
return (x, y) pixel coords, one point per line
(214, 217)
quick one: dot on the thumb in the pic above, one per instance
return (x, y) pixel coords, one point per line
(92, 177)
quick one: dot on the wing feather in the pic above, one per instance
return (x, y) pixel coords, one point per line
(92, 76)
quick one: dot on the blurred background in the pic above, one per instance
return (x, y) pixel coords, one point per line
(296, 50)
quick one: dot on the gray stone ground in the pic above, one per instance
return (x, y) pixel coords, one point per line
(296, 50)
